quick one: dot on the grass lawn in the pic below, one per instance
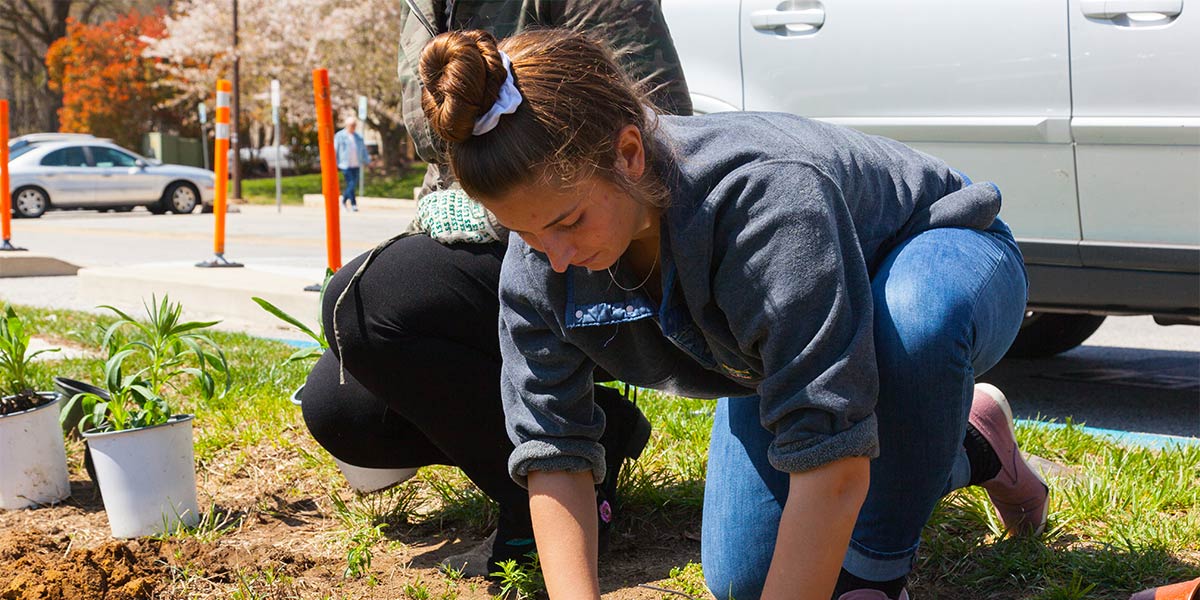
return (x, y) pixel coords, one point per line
(262, 191)
(281, 523)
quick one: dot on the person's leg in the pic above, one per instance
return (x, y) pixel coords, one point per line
(351, 191)
(345, 185)
(948, 303)
(359, 428)
(419, 331)
(743, 500)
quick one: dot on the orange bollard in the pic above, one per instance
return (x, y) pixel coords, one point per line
(221, 172)
(5, 184)
(329, 174)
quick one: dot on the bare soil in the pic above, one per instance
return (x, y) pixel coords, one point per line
(284, 540)
(21, 401)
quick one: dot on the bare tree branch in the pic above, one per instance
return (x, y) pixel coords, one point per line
(34, 13)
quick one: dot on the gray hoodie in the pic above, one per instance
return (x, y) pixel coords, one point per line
(775, 226)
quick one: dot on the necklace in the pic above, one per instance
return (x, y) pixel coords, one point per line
(644, 281)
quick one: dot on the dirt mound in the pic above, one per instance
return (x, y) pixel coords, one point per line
(36, 567)
(221, 563)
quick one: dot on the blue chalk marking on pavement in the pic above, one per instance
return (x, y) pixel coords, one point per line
(1148, 440)
(295, 343)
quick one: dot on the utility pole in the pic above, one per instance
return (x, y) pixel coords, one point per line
(235, 117)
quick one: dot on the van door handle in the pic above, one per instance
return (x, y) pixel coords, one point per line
(1111, 9)
(772, 19)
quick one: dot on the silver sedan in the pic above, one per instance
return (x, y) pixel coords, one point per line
(86, 172)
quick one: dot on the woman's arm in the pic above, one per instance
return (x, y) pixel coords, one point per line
(814, 530)
(563, 507)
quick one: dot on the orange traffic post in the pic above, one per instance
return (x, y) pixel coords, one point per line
(329, 172)
(5, 186)
(221, 172)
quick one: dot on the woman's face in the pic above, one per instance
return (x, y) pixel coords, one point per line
(589, 224)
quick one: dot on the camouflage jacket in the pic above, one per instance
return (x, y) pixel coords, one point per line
(635, 29)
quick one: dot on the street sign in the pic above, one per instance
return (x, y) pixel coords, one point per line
(275, 100)
(278, 158)
(203, 113)
(362, 108)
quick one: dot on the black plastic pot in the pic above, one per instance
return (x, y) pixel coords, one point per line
(69, 389)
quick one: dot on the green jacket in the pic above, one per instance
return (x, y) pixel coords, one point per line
(635, 29)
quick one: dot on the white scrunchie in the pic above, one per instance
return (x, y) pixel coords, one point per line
(506, 104)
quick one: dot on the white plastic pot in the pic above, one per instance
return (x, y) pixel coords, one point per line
(147, 477)
(33, 462)
(363, 479)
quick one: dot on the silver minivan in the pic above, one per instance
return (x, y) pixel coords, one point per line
(1085, 113)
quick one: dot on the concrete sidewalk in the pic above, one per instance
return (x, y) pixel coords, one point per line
(225, 292)
(127, 257)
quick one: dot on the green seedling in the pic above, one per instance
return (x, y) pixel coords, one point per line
(688, 579)
(416, 590)
(312, 352)
(520, 581)
(16, 364)
(213, 524)
(140, 371)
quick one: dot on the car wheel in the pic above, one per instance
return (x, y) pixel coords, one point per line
(181, 198)
(30, 203)
(1047, 334)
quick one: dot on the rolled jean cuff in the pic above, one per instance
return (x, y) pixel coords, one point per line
(871, 565)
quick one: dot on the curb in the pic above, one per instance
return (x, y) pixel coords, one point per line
(26, 264)
(224, 292)
(317, 200)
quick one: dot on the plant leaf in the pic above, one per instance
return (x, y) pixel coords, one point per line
(289, 319)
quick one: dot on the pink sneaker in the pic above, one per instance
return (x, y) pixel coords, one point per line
(871, 595)
(1018, 492)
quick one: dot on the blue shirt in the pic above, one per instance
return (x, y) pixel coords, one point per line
(344, 143)
(775, 226)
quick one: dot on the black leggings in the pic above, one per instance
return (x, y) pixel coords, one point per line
(422, 361)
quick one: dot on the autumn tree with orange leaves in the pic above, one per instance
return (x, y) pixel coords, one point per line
(109, 88)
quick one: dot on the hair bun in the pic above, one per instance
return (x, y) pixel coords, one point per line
(462, 74)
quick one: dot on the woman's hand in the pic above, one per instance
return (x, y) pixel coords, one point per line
(815, 528)
(563, 507)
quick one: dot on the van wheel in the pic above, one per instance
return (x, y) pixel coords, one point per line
(1046, 334)
(30, 202)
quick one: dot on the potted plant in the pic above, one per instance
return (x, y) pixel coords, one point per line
(33, 462)
(362, 479)
(141, 448)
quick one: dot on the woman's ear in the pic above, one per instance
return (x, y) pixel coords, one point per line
(631, 155)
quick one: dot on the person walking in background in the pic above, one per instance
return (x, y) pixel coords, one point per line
(352, 156)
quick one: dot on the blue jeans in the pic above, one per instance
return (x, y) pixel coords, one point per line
(350, 185)
(948, 303)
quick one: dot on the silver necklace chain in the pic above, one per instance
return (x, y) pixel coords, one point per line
(644, 281)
